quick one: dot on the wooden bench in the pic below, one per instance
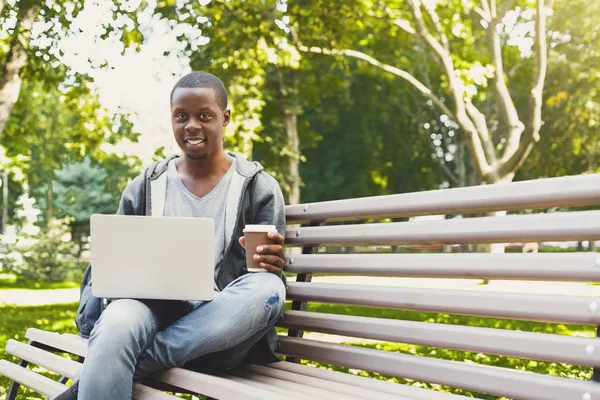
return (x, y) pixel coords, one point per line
(345, 223)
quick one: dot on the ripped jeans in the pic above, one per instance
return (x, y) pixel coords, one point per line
(134, 338)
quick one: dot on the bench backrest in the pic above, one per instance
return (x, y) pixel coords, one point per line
(357, 222)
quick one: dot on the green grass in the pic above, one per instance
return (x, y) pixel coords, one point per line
(15, 320)
(8, 282)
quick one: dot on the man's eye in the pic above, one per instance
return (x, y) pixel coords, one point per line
(204, 116)
(180, 117)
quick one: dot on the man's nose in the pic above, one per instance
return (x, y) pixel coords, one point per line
(193, 125)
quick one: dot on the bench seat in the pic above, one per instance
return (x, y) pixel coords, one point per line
(282, 380)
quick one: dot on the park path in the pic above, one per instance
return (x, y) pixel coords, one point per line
(23, 297)
(39, 297)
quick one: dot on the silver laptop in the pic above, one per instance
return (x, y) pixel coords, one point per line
(152, 257)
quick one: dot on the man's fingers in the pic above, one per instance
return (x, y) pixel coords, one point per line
(243, 241)
(270, 249)
(269, 259)
(276, 237)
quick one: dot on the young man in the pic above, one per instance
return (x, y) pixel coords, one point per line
(133, 338)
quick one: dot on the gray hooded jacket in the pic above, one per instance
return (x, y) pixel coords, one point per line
(254, 198)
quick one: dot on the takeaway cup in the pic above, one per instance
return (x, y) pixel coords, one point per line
(256, 235)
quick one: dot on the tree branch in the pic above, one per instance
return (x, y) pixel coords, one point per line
(482, 14)
(531, 135)
(10, 78)
(443, 56)
(456, 90)
(508, 110)
(385, 67)
(429, 8)
(493, 8)
(405, 26)
(484, 134)
(486, 7)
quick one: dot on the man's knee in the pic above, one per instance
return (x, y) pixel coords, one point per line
(125, 317)
(271, 293)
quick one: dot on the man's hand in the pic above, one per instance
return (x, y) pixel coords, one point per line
(270, 255)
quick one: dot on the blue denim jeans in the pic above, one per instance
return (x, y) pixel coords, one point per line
(134, 338)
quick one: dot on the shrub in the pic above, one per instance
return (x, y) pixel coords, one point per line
(46, 254)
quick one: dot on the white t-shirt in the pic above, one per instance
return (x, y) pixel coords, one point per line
(180, 202)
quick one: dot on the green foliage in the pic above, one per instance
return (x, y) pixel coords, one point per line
(58, 118)
(46, 255)
(342, 116)
(80, 191)
(570, 136)
(54, 130)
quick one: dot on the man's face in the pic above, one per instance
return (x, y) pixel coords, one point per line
(198, 122)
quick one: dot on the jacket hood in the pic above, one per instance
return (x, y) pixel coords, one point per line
(243, 167)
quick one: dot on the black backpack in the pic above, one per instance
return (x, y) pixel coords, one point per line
(90, 307)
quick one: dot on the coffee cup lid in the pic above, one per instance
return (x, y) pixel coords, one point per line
(260, 228)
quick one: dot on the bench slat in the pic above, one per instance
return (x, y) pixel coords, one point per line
(285, 386)
(481, 378)
(39, 383)
(319, 383)
(68, 343)
(276, 390)
(364, 382)
(513, 228)
(212, 386)
(50, 361)
(529, 345)
(543, 266)
(533, 194)
(143, 392)
(545, 308)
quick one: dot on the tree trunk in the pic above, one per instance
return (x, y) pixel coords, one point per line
(289, 107)
(10, 80)
(293, 173)
(4, 201)
(49, 200)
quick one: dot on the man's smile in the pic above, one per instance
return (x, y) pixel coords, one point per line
(194, 141)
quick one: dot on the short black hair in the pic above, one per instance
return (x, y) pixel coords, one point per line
(201, 79)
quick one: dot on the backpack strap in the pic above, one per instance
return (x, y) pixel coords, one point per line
(158, 193)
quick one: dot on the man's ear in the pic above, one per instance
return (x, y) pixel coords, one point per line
(226, 117)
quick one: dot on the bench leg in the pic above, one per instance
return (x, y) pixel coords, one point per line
(13, 388)
(596, 373)
(301, 305)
